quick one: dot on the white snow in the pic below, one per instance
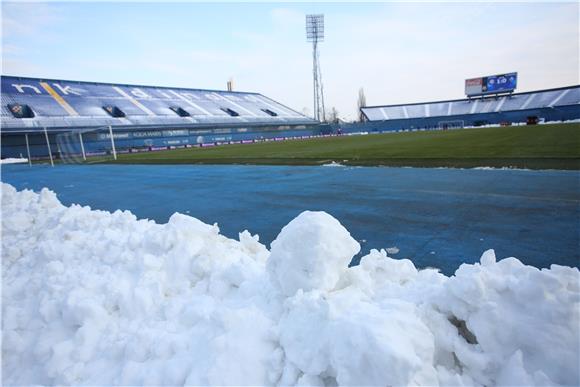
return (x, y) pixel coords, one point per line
(333, 164)
(501, 169)
(98, 298)
(13, 160)
(310, 253)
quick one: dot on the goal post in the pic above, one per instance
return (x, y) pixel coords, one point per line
(79, 146)
(452, 124)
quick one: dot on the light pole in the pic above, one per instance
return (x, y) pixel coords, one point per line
(315, 34)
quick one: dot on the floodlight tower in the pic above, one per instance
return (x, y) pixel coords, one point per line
(315, 34)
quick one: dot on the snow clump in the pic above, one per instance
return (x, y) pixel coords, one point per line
(311, 252)
(98, 298)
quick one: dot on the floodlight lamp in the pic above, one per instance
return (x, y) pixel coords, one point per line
(315, 28)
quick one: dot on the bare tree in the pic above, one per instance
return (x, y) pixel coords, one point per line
(333, 116)
(362, 102)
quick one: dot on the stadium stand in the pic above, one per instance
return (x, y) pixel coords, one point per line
(72, 115)
(139, 116)
(549, 105)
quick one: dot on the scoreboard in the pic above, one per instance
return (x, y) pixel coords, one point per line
(492, 84)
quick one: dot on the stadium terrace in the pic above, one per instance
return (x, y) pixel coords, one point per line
(34, 110)
(42, 116)
(560, 104)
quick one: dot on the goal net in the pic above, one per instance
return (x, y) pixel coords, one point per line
(453, 124)
(85, 146)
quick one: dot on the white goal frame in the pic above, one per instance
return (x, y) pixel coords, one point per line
(451, 124)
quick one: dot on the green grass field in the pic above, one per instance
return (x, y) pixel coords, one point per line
(554, 146)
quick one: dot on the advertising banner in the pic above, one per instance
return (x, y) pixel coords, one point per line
(492, 84)
(473, 86)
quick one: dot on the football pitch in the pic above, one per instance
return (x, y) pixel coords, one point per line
(552, 146)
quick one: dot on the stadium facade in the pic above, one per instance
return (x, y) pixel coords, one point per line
(60, 112)
(67, 116)
(561, 104)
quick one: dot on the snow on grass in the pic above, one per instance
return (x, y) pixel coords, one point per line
(333, 164)
(98, 298)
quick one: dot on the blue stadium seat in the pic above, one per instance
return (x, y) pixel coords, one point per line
(486, 109)
(61, 104)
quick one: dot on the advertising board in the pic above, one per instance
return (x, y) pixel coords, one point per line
(492, 84)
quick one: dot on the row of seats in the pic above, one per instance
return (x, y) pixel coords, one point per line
(65, 103)
(522, 101)
(44, 105)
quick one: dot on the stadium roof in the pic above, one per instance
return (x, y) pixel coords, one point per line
(29, 104)
(549, 98)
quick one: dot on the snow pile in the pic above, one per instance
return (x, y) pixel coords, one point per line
(94, 298)
(333, 164)
(501, 169)
(13, 160)
(310, 253)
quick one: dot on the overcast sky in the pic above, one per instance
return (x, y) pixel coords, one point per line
(397, 52)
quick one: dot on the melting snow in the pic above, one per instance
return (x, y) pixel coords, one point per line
(98, 298)
(13, 160)
(333, 164)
